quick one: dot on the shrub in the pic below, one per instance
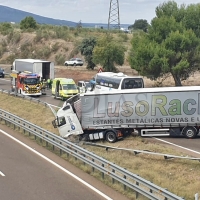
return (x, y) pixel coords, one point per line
(55, 47)
(59, 59)
(13, 37)
(5, 28)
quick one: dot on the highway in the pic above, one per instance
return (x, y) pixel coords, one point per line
(29, 171)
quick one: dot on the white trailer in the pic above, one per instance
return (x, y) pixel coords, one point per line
(150, 111)
(44, 68)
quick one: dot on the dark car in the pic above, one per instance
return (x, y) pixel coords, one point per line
(2, 73)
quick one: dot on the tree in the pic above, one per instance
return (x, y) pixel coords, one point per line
(5, 28)
(170, 47)
(108, 53)
(141, 24)
(86, 49)
(28, 22)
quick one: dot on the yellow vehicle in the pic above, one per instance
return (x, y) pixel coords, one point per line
(64, 88)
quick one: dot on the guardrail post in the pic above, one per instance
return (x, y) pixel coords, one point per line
(196, 196)
(60, 149)
(102, 174)
(41, 138)
(137, 193)
(47, 144)
(113, 180)
(124, 185)
(75, 157)
(92, 167)
(83, 161)
(53, 145)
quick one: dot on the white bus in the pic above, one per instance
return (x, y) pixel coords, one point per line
(117, 81)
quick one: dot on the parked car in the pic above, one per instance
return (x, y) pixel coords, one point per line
(2, 74)
(74, 62)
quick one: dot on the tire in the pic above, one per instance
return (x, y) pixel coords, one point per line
(66, 64)
(190, 132)
(111, 137)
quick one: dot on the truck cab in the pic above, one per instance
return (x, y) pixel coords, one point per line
(26, 83)
(67, 122)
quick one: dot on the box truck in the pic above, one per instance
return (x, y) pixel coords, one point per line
(45, 69)
(111, 115)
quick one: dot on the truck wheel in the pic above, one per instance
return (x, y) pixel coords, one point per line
(190, 132)
(66, 64)
(111, 137)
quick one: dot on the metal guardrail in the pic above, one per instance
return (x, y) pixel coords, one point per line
(135, 151)
(126, 178)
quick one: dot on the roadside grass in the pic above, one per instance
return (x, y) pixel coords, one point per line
(181, 177)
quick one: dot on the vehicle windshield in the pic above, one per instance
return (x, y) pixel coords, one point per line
(31, 81)
(88, 85)
(69, 87)
(131, 83)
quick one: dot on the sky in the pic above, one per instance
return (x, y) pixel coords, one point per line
(90, 11)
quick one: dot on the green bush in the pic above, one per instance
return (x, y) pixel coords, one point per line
(59, 59)
(13, 37)
(5, 28)
(55, 47)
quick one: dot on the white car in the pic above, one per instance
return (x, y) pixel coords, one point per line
(74, 62)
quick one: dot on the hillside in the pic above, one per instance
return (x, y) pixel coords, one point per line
(8, 14)
(49, 42)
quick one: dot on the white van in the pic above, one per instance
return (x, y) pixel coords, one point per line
(84, 86)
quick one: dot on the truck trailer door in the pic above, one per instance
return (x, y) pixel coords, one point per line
(46, 70)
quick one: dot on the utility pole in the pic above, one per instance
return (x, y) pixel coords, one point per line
(113, 19)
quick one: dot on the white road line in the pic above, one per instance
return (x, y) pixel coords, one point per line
(2, 174)
(177, 145)
(58, 166)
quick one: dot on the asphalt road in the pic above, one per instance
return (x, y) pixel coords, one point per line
(24, 174)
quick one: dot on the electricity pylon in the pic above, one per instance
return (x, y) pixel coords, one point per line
(113, 19)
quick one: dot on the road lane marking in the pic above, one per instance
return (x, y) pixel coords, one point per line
(177, 146)
(2, 174)
(58, 166)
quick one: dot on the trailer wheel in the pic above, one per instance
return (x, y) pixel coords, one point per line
(190, 132)
(111, 137)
